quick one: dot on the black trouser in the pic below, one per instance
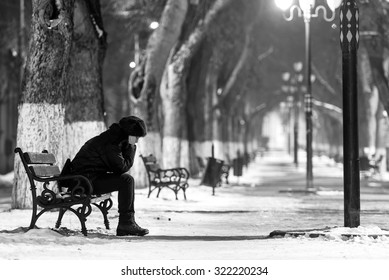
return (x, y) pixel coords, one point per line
(124, 184)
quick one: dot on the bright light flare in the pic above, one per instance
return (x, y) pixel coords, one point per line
(285, 76)
(132, 64)
(334, 4)
(298, 66)
(306, 5)
(283, 4)
(154, 25)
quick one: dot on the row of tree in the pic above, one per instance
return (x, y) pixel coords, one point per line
(197, 43)
(206, 76)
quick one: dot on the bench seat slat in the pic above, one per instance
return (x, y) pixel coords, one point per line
(34, 158)
(97, 199)
(45, 170)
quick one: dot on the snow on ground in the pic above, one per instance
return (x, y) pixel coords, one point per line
(233, 224)
(6, 180)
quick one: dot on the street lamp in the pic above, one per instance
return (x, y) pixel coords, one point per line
(289, 105)
(154, 25)
(292, 87)
(307, 10)
(288, 90)
(349, 38)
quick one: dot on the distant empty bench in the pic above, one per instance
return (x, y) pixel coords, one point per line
(175, 179)
(41, 168)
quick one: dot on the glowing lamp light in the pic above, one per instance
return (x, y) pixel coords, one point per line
(283, 4)
(334, 4)
(298, 66)
(307, 5)
(132, 64)
(154, 25)
(286, 76)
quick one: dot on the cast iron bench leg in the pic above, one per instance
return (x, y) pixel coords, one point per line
(148, 196)
(159, 190)
(104, 207)
(33, 217)
(83, 212)
(60, 216)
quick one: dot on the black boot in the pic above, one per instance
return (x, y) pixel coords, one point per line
(128, 226)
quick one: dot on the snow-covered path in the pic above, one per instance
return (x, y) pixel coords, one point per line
(233, 224)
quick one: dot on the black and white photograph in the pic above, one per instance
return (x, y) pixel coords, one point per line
(227, 134)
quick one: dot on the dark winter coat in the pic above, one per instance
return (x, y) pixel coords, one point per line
(108, 152)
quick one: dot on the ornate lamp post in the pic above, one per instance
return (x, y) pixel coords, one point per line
(349, 38)
(307, 10)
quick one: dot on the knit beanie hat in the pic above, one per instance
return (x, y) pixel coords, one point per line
(133, 126)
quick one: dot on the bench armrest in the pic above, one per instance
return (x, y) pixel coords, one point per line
(80, 179)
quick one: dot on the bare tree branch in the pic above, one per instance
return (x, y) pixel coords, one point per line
(262, 56)
(238, 67)
(323, 81)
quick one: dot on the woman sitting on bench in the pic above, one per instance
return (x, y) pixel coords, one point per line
(105, 159)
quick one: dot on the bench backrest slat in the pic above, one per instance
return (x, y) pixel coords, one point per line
(153, 166)
(45, 170)
(150, 163)
(37, 158)
(150, 159)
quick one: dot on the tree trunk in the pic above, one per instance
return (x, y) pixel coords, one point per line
(217, 138)
(374, 19)
(210, 89)
(370, 104)
(9, 97)
(222, 143)
(239, 65)
(146, 105)
(41, 110)
(230, 140)
(84, 114)
(197, 108)
(173, 113)
(173, 91)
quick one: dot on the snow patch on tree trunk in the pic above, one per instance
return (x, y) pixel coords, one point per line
(184, 161)
(77, 133)
(40, 127)
(171, 151)
(219, 149)
(151, 144)
(203, 149)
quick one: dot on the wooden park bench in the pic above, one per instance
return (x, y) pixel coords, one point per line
(41, 168)
(175, 179)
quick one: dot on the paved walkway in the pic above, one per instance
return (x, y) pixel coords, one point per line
(238, 220)
(269, 196)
